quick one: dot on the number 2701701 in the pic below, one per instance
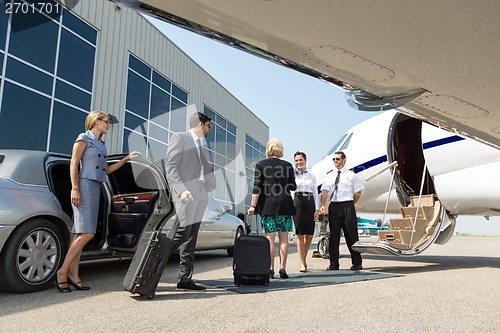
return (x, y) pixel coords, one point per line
(17, 7)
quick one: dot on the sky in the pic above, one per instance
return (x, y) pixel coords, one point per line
(304, 113)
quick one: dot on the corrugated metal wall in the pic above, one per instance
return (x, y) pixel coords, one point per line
(123, 31)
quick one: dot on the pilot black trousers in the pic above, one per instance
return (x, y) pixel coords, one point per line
(342, 215)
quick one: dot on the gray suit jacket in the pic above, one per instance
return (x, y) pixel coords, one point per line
(184, 166)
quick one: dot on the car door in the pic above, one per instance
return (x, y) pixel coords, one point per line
(140, 201)
(221, 233)
(206, 234)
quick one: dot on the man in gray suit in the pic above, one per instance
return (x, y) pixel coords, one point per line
(190, 178)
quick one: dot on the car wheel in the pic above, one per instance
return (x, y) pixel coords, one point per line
(31, 257)
(323, 247)
(230, 250)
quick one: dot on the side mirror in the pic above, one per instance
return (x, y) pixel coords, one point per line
(227, 208)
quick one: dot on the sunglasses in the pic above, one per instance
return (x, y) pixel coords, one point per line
(337, 159)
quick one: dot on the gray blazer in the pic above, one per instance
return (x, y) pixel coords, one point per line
(184, 166)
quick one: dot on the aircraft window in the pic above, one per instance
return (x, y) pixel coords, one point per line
(346, 143)
(334, 148)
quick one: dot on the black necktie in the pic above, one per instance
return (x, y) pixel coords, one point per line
(199, 148)
(335, 186)
(200, 152)
(336, 182)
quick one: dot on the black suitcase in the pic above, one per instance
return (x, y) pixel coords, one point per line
(145, 270)
(251, 260)
(148, 263)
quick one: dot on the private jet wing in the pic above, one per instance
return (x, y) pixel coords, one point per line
(435, 60)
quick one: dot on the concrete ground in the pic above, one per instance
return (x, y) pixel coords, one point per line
(449, 288)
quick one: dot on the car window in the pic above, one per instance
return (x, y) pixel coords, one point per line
(136, 178)
(213, 205)
(122, 181)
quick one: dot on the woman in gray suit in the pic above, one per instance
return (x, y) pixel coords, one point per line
(88, 170)
(271, 199)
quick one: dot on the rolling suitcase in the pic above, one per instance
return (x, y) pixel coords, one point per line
(251, 260)
(151, 256)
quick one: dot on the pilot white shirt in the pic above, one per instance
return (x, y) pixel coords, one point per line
(349, 184)
(306, 182)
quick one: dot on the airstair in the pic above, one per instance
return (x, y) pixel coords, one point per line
(419, 226)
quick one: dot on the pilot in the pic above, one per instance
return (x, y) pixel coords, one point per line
(343, 191)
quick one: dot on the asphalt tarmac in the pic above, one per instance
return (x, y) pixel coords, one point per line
(449, 288)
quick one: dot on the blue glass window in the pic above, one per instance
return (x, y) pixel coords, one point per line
(135, 123)
(160, 102)
(137, 95)
(33, 31)
(139, 67)
(133, 141)
(72, 95)
(17, 103)
(162, 82)
(221, 122)
(179, 93)
(158, 133)
(29, 76)
(231, 128)
(220, 137)
(76, 60)
(178, 117)
(231, 147)
(209, 113)
(157, 152)
(4, 20)
(67, 123)
(80, 27)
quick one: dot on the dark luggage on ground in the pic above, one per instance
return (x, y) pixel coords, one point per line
(251, 260)
(148, 263)
(145, 270)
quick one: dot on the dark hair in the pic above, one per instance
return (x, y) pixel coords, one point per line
(300, 153)
(341, 153)
(197, 118)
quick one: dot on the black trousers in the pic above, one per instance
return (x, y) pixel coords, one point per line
(342, 215)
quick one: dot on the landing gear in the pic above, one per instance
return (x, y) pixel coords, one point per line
(323, 250)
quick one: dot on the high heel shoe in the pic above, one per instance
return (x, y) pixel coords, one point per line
(271, 273)
(63, 289)
(283, 274)
(76, 286)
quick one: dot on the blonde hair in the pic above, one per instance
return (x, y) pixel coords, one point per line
(92, 117)
(274, 148)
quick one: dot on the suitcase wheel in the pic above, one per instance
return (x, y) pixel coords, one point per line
(266, 280)
(149, 295)
(237, 281)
